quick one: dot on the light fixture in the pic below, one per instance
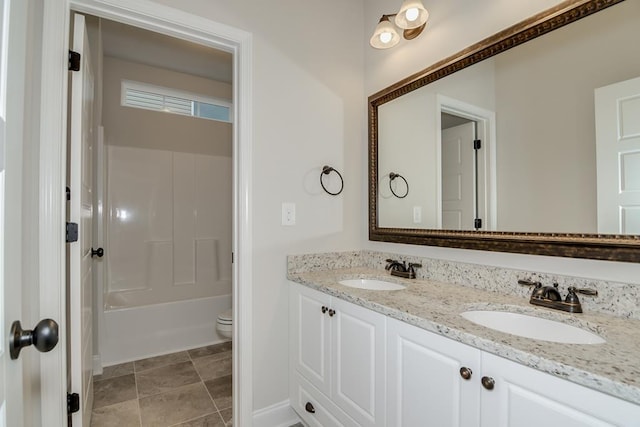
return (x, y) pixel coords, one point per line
(412, 19)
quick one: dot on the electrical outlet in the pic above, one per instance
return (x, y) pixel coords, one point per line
(417, 214)
(288, 214)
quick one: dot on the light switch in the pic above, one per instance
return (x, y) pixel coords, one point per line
(417, 214)
(288, 214)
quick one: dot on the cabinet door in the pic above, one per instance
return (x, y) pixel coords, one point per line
(358, 362)
(525, 397)
(309, 335)
(424, 382)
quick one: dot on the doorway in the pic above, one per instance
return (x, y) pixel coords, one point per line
(188, 27)
(161, 127)
(466, 158)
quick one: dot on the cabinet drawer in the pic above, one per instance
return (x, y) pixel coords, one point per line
(326, 414)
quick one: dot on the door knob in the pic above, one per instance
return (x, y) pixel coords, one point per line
(97, 252)
(44, 337)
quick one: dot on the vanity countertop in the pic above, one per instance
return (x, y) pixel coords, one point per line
(612, 367)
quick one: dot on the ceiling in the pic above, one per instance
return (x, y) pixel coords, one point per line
(158, 50)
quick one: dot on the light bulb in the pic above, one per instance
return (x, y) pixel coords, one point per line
(385, 37)
(412, 14)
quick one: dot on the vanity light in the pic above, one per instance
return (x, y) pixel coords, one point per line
(412, 18)
(385, 34)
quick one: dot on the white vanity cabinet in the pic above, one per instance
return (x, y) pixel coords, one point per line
(356, 367)
(431, 380)
(337, 350)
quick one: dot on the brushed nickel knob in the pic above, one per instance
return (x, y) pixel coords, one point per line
(488, 383)
(331, 312)
(324, 309)
(465, 373)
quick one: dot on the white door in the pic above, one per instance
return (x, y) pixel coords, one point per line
(617, 110)
(310, 335)
(358, 362)
(458, 177)
(524, 397)
(14, 397)
(82, 138)
(425, 386)
(6, 292)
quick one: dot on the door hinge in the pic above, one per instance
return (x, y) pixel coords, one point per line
(477, 223)
(74, 61)
(73, 403)
(477, 144)
(68, 194)
(72, 232)
(231, 257)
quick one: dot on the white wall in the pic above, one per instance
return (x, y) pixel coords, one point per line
(308, 111)
(453, 26)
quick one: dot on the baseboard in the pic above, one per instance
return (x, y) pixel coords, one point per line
(97, 364)
(280, 414)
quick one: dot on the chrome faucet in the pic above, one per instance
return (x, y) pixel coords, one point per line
(549, 296)
(402, 269)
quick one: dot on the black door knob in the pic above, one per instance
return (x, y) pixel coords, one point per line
(309, 408)
(97, 252)
(44, 337)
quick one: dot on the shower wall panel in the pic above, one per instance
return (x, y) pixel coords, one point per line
(168, 226)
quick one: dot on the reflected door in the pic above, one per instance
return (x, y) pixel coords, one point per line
(458, 177)
(617, 110)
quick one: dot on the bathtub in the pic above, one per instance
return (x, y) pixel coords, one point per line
(139, 332)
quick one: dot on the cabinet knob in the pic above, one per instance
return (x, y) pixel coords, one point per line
(324, 309)
(488, 383)
(331, 312)
(465, 373)
(309, 408)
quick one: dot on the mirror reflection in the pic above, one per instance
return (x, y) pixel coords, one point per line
(542, 138)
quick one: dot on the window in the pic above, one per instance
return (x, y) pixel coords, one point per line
(158, 98)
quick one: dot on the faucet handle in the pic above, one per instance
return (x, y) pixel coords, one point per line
(529, 283)
(584, 291)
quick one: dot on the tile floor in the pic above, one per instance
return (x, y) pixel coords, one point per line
(187, 389)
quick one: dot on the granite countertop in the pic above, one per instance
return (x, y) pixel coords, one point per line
(612, 367)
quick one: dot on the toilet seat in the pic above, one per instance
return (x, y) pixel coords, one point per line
(224, 324)
(226, 317)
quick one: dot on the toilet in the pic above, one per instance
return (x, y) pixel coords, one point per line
(224, 324)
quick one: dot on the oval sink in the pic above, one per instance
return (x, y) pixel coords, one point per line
(532, 327)
(372, 284)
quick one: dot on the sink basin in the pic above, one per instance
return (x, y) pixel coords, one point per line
(372, 284)
(532, 327)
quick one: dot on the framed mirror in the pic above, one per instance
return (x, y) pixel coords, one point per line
(526, 142)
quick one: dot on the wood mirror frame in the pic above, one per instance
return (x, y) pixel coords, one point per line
(593, 246)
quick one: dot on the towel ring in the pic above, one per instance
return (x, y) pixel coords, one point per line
(326, 170)
(393, 176)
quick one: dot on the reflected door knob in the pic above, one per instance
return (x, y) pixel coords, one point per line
(97, 252)
(43, 337)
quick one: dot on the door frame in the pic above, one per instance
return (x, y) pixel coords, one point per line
(53, 130)
(486, 120)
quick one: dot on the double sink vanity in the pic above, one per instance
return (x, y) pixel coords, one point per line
(370, 349)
